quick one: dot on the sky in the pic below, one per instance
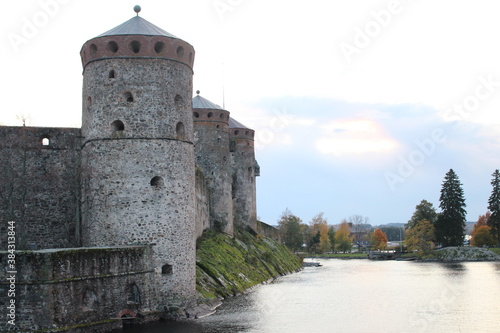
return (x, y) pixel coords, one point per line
(359, 107)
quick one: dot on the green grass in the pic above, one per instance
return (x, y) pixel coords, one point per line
(495, 249)
(228, 266)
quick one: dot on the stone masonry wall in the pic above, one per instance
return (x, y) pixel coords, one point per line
(244, 189)
(138, 169)
(39, 185)
(213, 158)
(80, 290)
(202, 211)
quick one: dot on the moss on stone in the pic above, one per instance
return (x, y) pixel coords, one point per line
(228, 266)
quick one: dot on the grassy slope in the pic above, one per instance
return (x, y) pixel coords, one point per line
(227, 266)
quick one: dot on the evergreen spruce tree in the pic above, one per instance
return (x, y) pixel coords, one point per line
(450, 224)
(494, 206)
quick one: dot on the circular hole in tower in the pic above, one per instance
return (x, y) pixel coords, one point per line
(93, 50)
(236, 132)
(117, 126)
(196, 114)
(180, 52)
(246, 132)
(210, 114)
(156, 181)
(135, 46)
(159, 47)
(113, 46)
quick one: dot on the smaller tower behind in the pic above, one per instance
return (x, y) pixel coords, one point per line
(245, 169)
(211, 131)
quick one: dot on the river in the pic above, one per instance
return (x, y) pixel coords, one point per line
(361, 296)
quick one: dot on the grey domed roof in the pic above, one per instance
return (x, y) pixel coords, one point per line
(203, 103)
(137, 26)
(236, 124)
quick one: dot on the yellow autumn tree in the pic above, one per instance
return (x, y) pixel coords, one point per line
(420, 237)
(324, 239)
(343, 238)
(379, 239)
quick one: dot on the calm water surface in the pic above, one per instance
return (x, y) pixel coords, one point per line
(361, 296)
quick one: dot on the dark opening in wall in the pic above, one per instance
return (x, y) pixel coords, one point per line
(112, 74)
(128, 97)
(135, 46)
(178, 99)
(159, 47)
(180, 131)
(180, 52)
(45, 140)
(196, 114)
(93, 50)
(117, 126)
(166, 269)
(156, 181)
(134, 295)
(210, 115)
(236, 132)
(113, 47)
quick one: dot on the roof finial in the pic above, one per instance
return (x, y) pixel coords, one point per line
(197, 92)
(137, 9)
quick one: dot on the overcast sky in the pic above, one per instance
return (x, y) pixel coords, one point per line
(360, 107)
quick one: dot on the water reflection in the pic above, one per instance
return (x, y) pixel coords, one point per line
(362, 296)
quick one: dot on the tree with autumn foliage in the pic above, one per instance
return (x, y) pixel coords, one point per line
(419, 237)
(379, 239)
(324, 239)
(481, 234)
(343, 238)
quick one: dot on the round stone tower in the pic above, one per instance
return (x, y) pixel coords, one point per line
(213, 158)
(138, 175)
(245, 169)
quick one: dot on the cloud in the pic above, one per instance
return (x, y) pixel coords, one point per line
(354, 136)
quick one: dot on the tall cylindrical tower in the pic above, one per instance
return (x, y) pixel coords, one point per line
(212, 157)
(245, 169)
(138, 174)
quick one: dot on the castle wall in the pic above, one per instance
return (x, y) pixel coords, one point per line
(202, 210)
(213, 157)
(39, 185)
(243, 184)
(80, 290)
(138, 163)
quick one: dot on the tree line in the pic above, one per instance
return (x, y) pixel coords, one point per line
(427, 227)
(319, 237)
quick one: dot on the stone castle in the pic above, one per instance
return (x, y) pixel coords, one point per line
(107, 215)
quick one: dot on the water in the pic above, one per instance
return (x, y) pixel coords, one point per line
(361, 296)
